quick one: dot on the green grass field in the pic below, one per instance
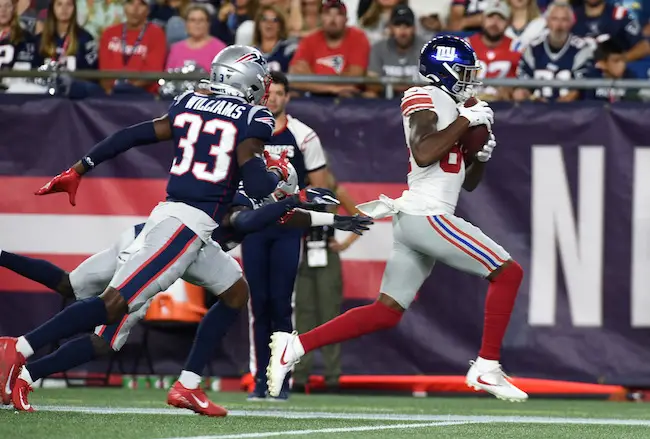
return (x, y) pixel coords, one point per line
(126, 414)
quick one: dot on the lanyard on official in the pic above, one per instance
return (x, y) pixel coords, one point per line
(127, 57)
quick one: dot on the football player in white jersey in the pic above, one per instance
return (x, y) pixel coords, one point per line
(425, 228)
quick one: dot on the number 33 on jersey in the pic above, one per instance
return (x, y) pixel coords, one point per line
(207, 130)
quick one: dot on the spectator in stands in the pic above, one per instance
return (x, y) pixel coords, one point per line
(610, 64)
(292, 14)
(310, 17)
(495, 50)
(136, 46)
(230, 17)
(335, 50)
(28, 15)
(598, 21)
(162, 10)
(199, 46)
(433, 16)
(17, 47)
(466, 15)
(527, 24)
(375, 21)
(560, 55)
(399, 55)
(64, 41)
(638, 10)
(271, 38)
(97, 15)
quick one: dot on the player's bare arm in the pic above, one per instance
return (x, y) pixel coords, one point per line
(473, 175)
(428, 145)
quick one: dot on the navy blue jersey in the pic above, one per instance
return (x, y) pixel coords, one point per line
(279, 58)
(540, 61)
(19, 56)
(610, 94)
(207, 130)
(85, 58)
(472, 7)
(303, 147)
(614, 23)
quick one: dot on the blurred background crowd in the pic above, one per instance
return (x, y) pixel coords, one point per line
(540, 39)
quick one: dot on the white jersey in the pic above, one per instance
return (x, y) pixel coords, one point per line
(433, 190)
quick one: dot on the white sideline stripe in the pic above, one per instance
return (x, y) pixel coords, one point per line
(324, 430)
(349, 416)
(89, 234)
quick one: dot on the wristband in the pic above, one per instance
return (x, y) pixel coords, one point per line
(321, 218)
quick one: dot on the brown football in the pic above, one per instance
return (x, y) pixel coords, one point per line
(474, 138)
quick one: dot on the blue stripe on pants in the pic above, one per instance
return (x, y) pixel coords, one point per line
(156, 264)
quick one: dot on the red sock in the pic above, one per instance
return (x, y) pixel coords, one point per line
(499, 302)
(352, 324)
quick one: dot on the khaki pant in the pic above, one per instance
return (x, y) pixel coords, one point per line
(319, 292)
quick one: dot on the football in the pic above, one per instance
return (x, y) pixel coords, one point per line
(475, 137)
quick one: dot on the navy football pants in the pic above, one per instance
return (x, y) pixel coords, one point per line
(270, 261)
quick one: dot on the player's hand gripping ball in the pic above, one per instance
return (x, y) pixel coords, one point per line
(475, 137)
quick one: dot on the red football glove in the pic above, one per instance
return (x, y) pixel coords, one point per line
(280, 164)
(67, 181)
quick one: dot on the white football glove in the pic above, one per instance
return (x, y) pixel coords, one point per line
(486, 152)
(478, 114)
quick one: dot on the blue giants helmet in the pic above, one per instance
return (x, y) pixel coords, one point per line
(451, 64)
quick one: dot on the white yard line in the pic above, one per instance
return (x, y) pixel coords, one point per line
(325, 430)
(286, 414)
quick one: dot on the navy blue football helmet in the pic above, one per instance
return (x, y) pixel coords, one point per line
(451, 64)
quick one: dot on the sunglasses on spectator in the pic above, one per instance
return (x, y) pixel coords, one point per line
(270, 19)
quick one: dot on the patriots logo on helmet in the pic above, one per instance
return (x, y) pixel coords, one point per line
(252, 57)
(267, 120)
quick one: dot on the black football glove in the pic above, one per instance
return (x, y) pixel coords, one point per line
(314, 196)
(355, 224)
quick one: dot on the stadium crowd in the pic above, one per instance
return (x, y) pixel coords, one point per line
(541, 39)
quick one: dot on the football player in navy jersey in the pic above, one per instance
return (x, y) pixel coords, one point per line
(598, 21)
(245, 216)
(219, 134)
(17, 46)
(64, 41)
(271, 257)
(558, 55)
(610, 64)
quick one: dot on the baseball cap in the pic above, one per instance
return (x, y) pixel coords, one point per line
(329, 4)
(498, 7)
(402, 14)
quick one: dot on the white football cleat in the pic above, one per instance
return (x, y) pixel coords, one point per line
(286, 351)
(487, 375)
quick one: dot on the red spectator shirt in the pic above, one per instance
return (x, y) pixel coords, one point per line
(149, 54)
(354, 50)
(496, 62)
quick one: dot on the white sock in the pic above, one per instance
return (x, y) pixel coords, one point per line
(23, 346)
(24, 374)
(297, 347)
(484, 364)
(189, 380)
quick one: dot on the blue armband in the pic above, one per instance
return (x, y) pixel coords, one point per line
(258, 181)
(249, 221)
(119, 142)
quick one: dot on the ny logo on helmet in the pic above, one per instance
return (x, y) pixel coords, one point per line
(444, 53)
